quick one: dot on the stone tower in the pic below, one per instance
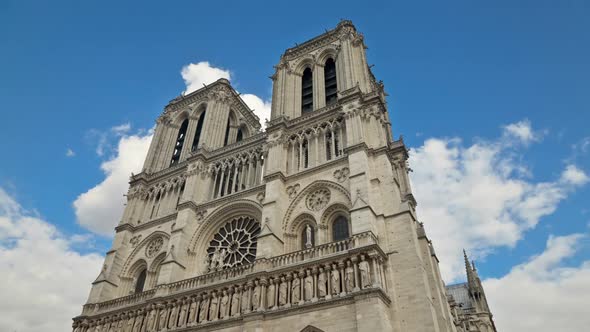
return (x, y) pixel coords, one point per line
(307, 226)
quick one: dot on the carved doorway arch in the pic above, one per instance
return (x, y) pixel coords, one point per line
(310, 328)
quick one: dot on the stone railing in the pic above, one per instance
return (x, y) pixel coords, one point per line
(310, 277)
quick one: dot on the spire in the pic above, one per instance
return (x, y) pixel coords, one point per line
(471, 280)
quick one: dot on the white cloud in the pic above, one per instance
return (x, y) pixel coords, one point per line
(44, 281)
(522, 131)
(70, 153)
(543, 294)
(122, 129)
(100, 208)
(574, 175)
(195, 75)
(260, 107)
(479, 197)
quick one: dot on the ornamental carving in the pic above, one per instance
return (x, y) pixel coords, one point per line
(154, 247)
(318, 199)
(341, 174)
(292, 190)
(135, 240)
(234, 244)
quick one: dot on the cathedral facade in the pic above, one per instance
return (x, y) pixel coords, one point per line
(309, 225)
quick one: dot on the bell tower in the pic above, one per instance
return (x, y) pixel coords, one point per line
(310, 224)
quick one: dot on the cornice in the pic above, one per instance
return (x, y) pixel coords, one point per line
(343, 28)
(149, 224)
(183, 102)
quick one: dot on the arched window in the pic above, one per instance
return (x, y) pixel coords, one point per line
(140, 282)
(328, 139)
(340, 230)
(226, 139)
(180, 192)
(306, 91)
(305, 243)
(240, 135)
(179, 142)
(305, 147)
(156, 206)
(198, 131)
(330, 81)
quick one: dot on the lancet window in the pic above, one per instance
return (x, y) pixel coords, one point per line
(198, 131)
(340, 228)
(140, 282)
(307, 91)
(179, 143)
(236, 174)
(331, 87)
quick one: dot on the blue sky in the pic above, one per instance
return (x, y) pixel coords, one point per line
(71, 71)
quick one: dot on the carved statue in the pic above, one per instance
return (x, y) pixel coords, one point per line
(256, 296)
(173, 317)
(235, 302)
(365, 273)
(308, 240)
(192, 312)
(129, 326)
(120, 325)
(283, 292)
(203, 310)
(151, 323)
(221, 259)
(137, 323)
(335, 281)
(270, 295)
(245, 301)
(321, 283)
(308, 286)
(349, 277)
(162, 319)
(295, 290)
(223, 304)
(213, 307)
(182, 314)
(214, 260)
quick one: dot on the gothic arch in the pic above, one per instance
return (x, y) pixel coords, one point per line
(306, 62)
(343, 197)
(179, 118)
(310, 328)
(139, 252)
(198, 110)
(211, 224)
(328, 52)
(154, 270)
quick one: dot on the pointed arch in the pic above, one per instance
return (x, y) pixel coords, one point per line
(199, 129)
(343, 198)
(139, 252)
(310, 328)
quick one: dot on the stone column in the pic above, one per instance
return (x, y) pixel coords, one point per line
(314, 297)
(354, 260)
(342, 278)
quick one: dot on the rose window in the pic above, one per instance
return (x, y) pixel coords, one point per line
(234, 244)
(154, 247)
(318, 199)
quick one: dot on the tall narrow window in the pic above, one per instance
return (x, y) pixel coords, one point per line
(340, 229)
(140, 282)
(227, 132)
(328, 139)
(306, 91)
(198, 131)
(179, 143)
(330, 82)
(305, 148)
(337, 150)
(240, 135)
(180, 192)
(156, 206)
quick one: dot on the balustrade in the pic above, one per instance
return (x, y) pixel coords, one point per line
(322, 273)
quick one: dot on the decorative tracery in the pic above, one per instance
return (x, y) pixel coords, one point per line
(234, 244)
